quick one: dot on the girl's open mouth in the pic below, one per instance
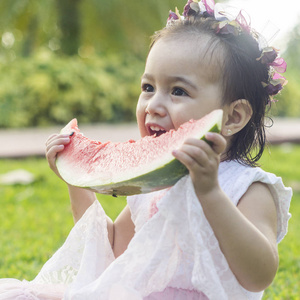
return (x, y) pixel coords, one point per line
(155, 130)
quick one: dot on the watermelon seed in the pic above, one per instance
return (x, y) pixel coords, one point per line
(72, 133)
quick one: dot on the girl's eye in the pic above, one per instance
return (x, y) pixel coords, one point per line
(179, 92)
(147, 88)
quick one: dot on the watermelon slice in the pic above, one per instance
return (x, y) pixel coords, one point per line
(132, 167)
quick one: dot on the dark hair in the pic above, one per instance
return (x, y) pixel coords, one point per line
(243, 80)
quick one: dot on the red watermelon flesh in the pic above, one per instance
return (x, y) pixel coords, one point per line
(131, 167)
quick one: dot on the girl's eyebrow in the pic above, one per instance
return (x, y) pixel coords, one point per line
(184, 80)
(173, 79)
(147, 76)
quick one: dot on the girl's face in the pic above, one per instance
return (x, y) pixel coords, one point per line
(177, 86)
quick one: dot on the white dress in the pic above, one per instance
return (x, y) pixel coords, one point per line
(173, 255)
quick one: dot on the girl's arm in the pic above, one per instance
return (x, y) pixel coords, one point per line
(119, 233)
(124, 230)
(247, 233)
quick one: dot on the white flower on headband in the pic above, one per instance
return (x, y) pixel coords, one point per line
(202, 7)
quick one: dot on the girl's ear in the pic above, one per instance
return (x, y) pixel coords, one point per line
(236, 116)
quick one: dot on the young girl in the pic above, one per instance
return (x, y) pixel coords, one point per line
(214, 234)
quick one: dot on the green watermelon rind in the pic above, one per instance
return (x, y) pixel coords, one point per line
(158, 179)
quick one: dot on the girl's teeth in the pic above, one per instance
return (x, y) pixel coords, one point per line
(155, 128)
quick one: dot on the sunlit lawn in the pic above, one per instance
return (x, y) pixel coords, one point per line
(35, 220)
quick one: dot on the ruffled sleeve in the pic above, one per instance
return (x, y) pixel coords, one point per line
(235, 179)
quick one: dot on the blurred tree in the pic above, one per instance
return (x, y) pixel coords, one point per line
(69, 24)
(29, 23)
(30, 36)
(116, 26)
(293, 48)
(289, 99)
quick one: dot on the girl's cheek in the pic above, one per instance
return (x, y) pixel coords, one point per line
(140, 113)
(140, 104)
(140, 116)
(138, 109)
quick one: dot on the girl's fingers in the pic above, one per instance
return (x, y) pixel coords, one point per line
(201, 144)
(50, 139)
(184, 158)
(57, 140)
(197, 154)
(55, 144)
(55, 136)
(218, 142)
(51, 153)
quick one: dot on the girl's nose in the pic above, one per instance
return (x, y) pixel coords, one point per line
(155, 106)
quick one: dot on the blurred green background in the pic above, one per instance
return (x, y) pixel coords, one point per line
(72, 58)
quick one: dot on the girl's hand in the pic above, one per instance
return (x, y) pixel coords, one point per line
(81, 199)
(55, 144)
(202, 161)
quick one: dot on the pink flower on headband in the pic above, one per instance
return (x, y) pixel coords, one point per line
(244, 23)
(275, 85)
(233, 25)
(229, 27)
(187, 8)
(201, 6)
(268, 55)
(173, 16)
(279, 64)
(209, 6)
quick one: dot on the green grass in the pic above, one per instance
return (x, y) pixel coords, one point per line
(36, 219)
(284, 161)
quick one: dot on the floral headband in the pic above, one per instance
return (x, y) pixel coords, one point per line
(232, 23)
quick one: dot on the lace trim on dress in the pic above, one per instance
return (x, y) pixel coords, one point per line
(235, 179)
(13, 289)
